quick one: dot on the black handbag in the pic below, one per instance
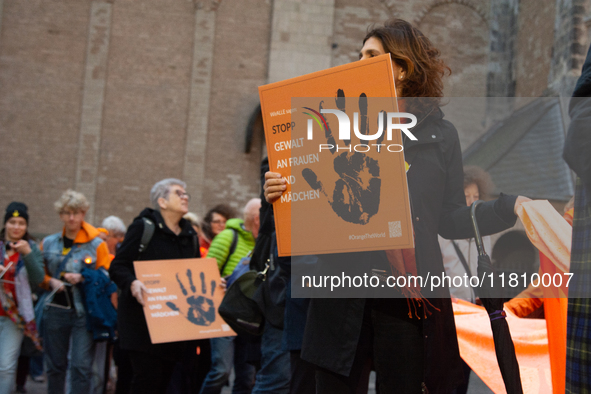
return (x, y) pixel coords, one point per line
(239, 309)
(244, 306)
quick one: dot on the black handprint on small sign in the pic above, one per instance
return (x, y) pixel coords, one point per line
(356, 196)
(201, 309)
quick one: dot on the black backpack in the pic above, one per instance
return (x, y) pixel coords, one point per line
(149, 228)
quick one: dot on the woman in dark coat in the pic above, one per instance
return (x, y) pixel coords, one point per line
(576, 154)
(173, 238)
(410, 353)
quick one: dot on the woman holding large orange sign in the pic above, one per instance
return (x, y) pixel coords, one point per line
(411, 340)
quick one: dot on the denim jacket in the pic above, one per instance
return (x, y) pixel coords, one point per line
(82, 255)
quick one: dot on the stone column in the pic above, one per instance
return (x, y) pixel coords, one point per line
(501, 69)
(569, 47)
(93, 95)
(301, 37)
(200, 91)
(1, 6)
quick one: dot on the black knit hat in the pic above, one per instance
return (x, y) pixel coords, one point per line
(15, 210)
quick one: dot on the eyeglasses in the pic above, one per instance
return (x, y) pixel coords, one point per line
(218, 222)
(183, 194)
(69, 213)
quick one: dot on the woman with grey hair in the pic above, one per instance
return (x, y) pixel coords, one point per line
(114, 225)
(116, 232)
(66, 254)
(173, 238)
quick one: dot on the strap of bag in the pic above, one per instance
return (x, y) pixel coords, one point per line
(62, 265)
(462, 258)
(231, 251)
(196, 245)
(272, 252)
(149, 227)
(269, 264)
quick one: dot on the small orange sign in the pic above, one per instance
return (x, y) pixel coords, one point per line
(183, 299)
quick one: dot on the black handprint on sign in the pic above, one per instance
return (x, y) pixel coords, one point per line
(201, 309)
(356, 196)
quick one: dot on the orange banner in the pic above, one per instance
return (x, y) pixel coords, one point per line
(183, 299)
(332, 136)
(478, 350)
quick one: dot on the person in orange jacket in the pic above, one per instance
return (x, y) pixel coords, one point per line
(66, 254)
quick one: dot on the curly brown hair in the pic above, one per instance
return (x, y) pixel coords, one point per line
(479, 177)
(416, 55)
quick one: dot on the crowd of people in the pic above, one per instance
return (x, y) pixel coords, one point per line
(59, 295)
(56, 273)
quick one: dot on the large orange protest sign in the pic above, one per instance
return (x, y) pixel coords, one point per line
(183, 299)
(335, 137)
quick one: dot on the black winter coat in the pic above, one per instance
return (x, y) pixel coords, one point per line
(577, 146)
(133, 330)
(438, 205)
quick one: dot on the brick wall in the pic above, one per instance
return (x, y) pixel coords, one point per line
(178, 84)
(533, 47)
(240, 65)
(42, 52)
(461, 33)
(146, 102)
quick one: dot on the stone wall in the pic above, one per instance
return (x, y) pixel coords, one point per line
(460, 30)
(42, 55)
(533, 47)
(240, 65)
(109, 97)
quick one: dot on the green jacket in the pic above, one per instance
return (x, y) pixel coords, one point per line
(220, 246)
(34, 266)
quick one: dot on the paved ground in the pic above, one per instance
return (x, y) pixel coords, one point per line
(476, 386)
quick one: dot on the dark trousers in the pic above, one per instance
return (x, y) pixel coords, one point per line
(463, 388)
(22, 371)
(151, 373)
(393, 341)
(303, 374)
(189, 374)
(124, 370)
(225, 353)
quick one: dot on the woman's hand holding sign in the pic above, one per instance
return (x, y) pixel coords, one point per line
(274, 186)
(137, 288)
